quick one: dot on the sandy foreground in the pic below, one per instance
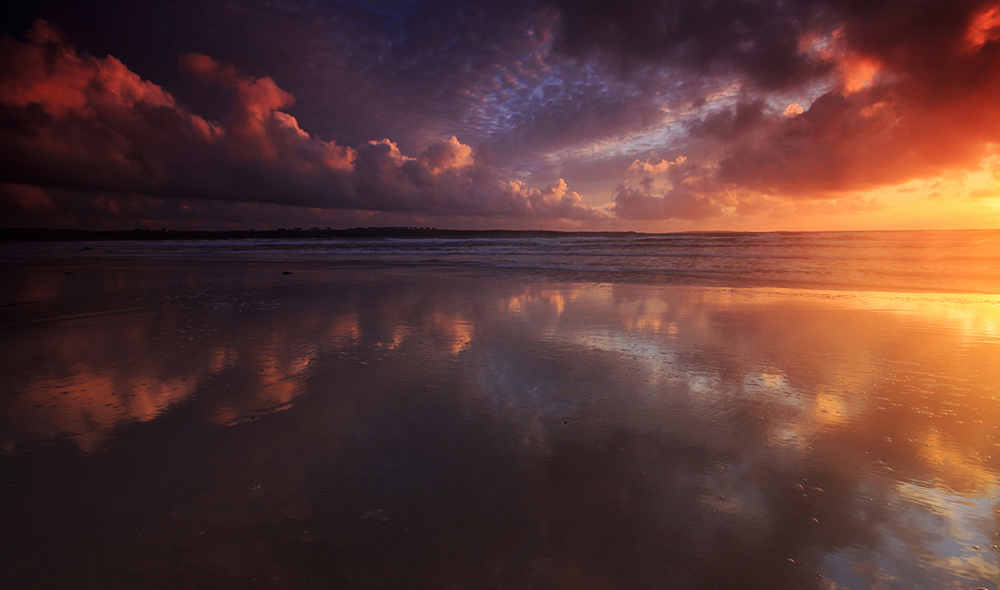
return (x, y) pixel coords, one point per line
(171, 425)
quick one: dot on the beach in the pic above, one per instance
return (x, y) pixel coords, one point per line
(519, 295)
(294, 421)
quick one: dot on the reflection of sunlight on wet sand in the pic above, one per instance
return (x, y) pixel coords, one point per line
(840, 362)
(973, 315)
(830, 409)
(647, 317)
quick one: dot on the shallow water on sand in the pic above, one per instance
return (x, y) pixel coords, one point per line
(172, 426)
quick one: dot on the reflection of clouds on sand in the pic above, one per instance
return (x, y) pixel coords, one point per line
(956, 468)
(345, 331)
(830, 409)
(273, 381)
(703, 432)
(539, 298)
(83, 378)
(80, 366)
(87, 387)
(971, 553)
(134, 366)
(454, 330)
(223, 358)
(88, 406)
(945, 529)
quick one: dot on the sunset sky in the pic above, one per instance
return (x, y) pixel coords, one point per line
(648, 115)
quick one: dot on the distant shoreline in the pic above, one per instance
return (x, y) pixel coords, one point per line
(83, 235)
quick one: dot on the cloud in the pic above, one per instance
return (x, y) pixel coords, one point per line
(983, 28)
(575, 107)
(73, 121)
(678, 203)
(692, 193)
(484, 71)
(447, 178)
(755, 39)
(446, 155)
(898, 90)
(647, 167)
(29, 199)
(682, 203)
(729, 124)
(793, 109)
(853, 142)
(904, 92)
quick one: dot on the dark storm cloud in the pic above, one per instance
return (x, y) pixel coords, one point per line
(729, 124)
(927, 107)
(931, 106)
(758, 39)
(912, 89)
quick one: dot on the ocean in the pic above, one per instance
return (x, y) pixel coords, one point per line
(965, 261)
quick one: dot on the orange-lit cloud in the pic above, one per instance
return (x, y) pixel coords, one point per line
(858, 73)
(647, 167)
(793, 109)
(983, 28)
(446, 155)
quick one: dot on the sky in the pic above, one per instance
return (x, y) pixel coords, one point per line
(645, 115)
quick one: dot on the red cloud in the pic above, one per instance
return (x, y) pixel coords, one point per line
(78, 122)
(916, 97)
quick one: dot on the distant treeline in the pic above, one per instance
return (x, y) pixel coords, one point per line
(80, 235)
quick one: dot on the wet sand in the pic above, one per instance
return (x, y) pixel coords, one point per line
(182, 426)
